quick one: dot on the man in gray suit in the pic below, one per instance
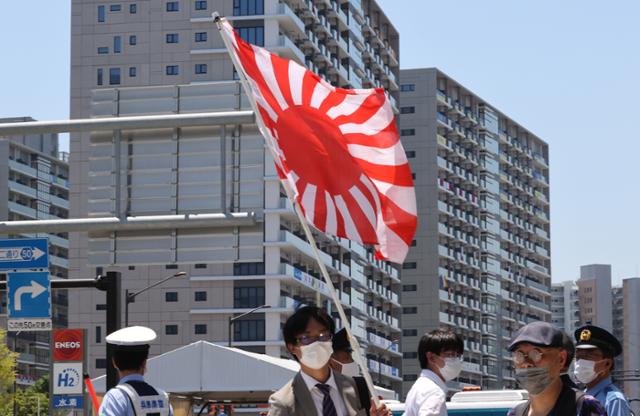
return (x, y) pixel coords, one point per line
(316, 390)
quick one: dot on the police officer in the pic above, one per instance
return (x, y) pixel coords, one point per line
(596, 350)
(133, 396)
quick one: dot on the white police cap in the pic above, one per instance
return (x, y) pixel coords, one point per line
(132, 336)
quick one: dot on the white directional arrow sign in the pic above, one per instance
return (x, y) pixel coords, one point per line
(35, 289)
(20, 253)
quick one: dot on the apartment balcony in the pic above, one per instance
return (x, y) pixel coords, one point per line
(23, 168)
(23, 189)
(443, 99)
(22, 210)
(384, 369)
(288, 19)
(538, 286)
(62, 203)
(539, 305)
(383, 343)
(59, 261)
(286, 48)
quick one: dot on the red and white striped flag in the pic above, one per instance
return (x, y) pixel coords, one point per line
(338, 149)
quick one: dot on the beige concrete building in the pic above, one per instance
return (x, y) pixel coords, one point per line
(595, 299)
(136, 58)
(34, 184)
(631, 339)
(480, 262)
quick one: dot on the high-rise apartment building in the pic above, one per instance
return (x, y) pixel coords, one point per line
(565, 306)
(34, 184)
(136, 58)
(631, 339)
(480, 261)
(594, 290)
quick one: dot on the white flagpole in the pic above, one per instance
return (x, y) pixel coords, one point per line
(357, 354)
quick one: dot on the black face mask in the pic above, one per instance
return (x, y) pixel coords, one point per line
(534, 380)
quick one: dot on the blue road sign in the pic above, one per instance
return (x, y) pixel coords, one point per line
(29, 301)
(24, 253)
(67, 402)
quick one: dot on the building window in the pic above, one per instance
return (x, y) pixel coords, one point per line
(114, 76)
(201, 4)
(101, 363)
(410, 310)
(409, 377)
(172, 70)
(248, 7)
(102, 50)
(171, 329)
(172, 38)
(410, 354)
(414, 242)
(252, 269)
(171, 296)
(200, 296)
(171, 266)
(173, 6)
(133, 8)
(100, 14)
(248, 330)
(133, 40)
(409, 265)
(409, 332)
(252, 34)
(200, 329)
(201, 37)
(101, 307)
(201, 68)
(98, 334)
(115, 8)
(132, 72)
(407, 110)
(408, 132)
(200, 266)
(407, 87)
(248, 297)
(409, 288)
(117, 44)
(132, 267)
(410, 154)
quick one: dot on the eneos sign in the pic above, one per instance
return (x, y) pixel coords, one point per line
(67, 344)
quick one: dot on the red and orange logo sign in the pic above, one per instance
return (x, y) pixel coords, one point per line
(67, 344)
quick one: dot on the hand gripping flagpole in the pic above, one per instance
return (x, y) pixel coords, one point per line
(357, 354)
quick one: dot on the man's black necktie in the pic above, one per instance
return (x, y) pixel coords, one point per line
(328, 408)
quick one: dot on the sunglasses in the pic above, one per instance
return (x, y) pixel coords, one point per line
(308, 339)
(535, 356)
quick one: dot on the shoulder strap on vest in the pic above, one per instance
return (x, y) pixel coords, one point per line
(132, 396)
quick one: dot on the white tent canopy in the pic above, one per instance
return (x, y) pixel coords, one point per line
(213, 372)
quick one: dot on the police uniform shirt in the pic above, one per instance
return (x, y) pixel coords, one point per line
(611, 398)
(117, 403)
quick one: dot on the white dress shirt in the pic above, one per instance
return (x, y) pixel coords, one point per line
(427, 396)
(318, 396)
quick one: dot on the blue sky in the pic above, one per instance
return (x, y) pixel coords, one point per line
(567, 70)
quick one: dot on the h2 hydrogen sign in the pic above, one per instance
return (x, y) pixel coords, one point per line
(29, 301)
(67, 378)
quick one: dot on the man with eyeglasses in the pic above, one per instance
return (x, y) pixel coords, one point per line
(596, 349)
(539, 357)
(440, 355)
(316, 390)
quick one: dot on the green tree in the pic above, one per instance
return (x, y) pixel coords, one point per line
(27, 401)
(7, 363)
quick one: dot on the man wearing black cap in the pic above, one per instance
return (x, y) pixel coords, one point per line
(133, 396)
(342, 362)
(539, 358)
(596, 349)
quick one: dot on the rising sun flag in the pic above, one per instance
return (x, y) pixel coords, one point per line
(337, 149)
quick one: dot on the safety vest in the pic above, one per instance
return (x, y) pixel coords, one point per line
(146, 400)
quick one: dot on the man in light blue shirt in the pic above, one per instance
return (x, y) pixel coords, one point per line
(596, 350)
(133, 396)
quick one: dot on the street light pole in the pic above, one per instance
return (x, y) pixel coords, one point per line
(131, 297)
(233, 318)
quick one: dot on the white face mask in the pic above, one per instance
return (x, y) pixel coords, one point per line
(585, 371)
(349, 369)
(452, 368)
(316, 355)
